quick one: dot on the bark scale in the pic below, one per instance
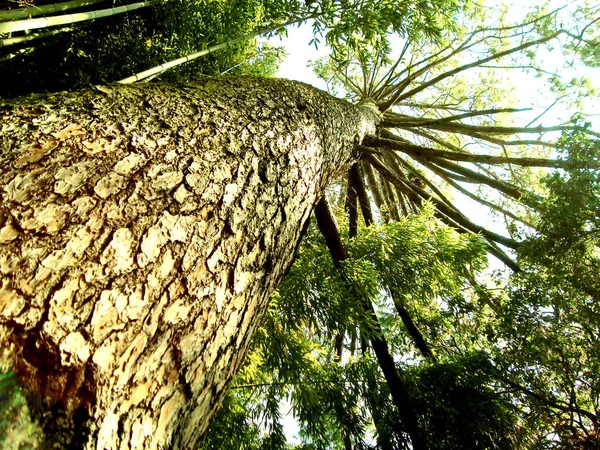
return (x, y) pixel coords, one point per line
(142, 230)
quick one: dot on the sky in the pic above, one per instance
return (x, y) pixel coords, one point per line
(296, 67)
(299, 54)
(524, 87)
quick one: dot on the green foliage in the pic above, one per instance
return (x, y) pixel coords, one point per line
(463, 401)
(421, 266)
(230, 428)
(16, 428)
(369, 24)
(311, 354)
(334, 399)
(568, 241)
(109, 49)
(461, 407)
(540, 327)
(398, 252)
(551, 316)
(285, 364)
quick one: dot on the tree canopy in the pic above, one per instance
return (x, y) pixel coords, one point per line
(67, 48)
(489, 359)
(389, 332)
(104, 50)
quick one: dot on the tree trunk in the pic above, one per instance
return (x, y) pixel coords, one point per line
(142, 231)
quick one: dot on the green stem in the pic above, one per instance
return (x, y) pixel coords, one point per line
(44, 22)
(176, 62)
(31, 37)
(25, 13)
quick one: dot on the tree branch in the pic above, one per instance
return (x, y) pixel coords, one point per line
(441, 206)
(476, 63)
(547, 401)
(359, 186)
(428, 152)
(351, 205)
(490, 205)
(402, 121)
(377, 196)
(400, 394)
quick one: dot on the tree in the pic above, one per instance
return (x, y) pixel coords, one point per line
(73, 372)
(160, 219)
(144, 274)
(539, 335)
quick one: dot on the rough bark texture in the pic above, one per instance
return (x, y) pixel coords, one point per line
(142, 230)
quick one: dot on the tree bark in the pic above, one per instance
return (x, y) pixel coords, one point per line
(142, 231)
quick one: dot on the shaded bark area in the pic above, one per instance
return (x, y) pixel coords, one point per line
(142, 230)
(352, 204)
(358, 185)
(374, 187)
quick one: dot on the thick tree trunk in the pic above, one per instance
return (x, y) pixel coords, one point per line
(142, 230)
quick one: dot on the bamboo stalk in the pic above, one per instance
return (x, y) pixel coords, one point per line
(176, 62)
(15, 54)
(24, 13)
(44, 22)
(31, 37)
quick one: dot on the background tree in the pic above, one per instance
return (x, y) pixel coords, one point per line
(175, 33)
(105, 50)
(539, 336)
(128, 155)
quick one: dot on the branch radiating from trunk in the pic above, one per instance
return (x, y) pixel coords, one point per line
(390, 200)
(490, 205)
(375, 190)
(450, 125)
(358, 185)
(411, 327)
(510, 190)
(352, 204)
(453, 213)
(479, 62)
(428, 153)
(448, 178)
(405, 316)
(552, 403)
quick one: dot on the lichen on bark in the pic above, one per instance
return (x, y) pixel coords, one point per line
(142, 230)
